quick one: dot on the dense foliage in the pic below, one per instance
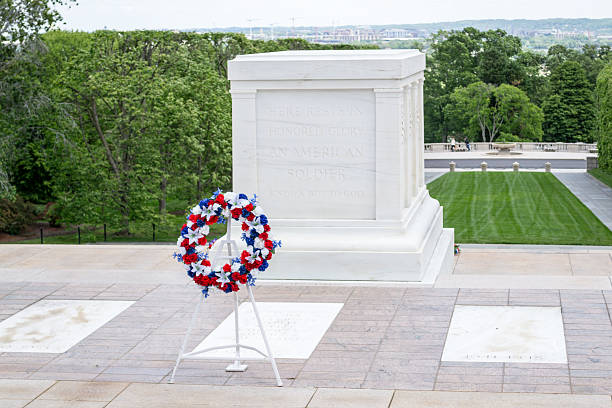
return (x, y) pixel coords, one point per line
(558, 85)
(604, 118)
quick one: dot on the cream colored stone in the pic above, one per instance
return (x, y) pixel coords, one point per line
(166, 395)
(443, 399)
(513, 263)
(350, 398)
(66, 404)
(23, 389)
(591, 264)
(524, 282)
(83, 391)
(6, 403)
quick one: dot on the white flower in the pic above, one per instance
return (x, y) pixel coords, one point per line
(256, 225)
(209, 212)
(222, 277)
(196, 210)
(236, 266)
(198, 268)
(182, 251)
(257, 211)
(194, 235)
(259, 243)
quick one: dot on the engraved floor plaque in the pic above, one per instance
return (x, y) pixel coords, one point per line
(506, 334)
(293, 329)
(54, 326)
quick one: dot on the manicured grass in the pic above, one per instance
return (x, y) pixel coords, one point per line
(602, 175)
(516, 208)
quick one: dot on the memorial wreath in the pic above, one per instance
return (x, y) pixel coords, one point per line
(193, 245)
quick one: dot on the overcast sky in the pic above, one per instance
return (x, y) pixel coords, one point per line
(153, 14)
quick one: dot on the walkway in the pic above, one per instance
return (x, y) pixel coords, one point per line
(46, 394)
(592, 192)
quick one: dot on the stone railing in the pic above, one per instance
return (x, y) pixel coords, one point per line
(520, 146)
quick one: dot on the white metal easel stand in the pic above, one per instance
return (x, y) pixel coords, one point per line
(236, 366)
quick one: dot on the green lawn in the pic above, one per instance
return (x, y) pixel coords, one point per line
(603, 176)
(515, 208)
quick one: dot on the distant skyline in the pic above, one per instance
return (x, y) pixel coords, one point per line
(91, 15)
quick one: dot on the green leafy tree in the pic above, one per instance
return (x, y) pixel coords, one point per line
(569, 110)
(485, 111)
(20, 23)
(604, 117)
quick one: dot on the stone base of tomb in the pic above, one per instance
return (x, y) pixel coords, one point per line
(415, 249)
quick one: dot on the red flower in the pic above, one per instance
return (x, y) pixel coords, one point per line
(244, 255)
(235, 287)
(220, 199)
(245, 227)
(183, 227)
(263, 235)
(269, 244)
(212, 220)
(205, 262)
(251, 217)
(249, 207)
(266, 228)
(190, 258)
(269, 256)
(236, 213)
(185, 243)
(194, 217)
(202, 241)
(227, 268)
(202, 280)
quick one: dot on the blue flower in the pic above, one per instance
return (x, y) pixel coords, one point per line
(245, 213)
(190, 250)
(184, 231)
(216, 193)
(228, 289)
(263, 265)
(190, 273)
(201, 223)
(204, 203)
(249, 241)
(254, 233)
(263, 220)
(243, 269)
(205, 292)
(243, 196)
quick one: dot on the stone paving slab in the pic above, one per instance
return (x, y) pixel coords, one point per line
(383, 338)
(136, 395)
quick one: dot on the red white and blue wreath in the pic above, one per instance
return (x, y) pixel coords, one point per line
(193, 245)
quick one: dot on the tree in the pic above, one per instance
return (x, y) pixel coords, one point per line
(484, 111)
(604, 117)
(569, 110)
(20, 23)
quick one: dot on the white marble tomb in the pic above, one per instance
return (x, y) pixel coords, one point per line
(293, 329)
(332, 143)
(506, 334)
(54, 326)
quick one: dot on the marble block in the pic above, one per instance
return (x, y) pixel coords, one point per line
(332, 143)
(293, 329)
(506, 334)
(54, 326)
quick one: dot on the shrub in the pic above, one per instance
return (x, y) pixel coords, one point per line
(15, 215)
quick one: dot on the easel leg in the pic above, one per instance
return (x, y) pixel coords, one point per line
(236, 366)
(180, 355)
(265, 339)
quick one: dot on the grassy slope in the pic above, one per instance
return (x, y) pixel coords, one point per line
(517, 208)
(603, 176)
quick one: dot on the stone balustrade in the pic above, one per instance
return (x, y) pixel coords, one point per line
(520, 146)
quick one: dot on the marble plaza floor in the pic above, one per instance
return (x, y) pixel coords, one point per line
(511, 326)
